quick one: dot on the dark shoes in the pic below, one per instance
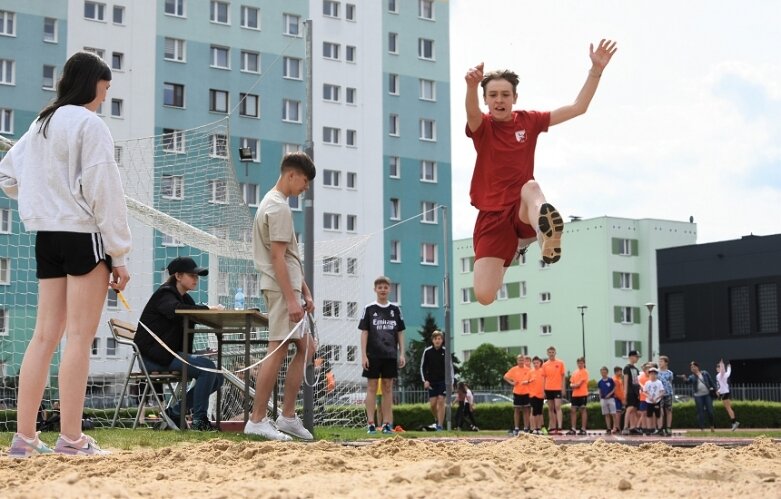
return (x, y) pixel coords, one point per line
(203, 424)
(551, 226)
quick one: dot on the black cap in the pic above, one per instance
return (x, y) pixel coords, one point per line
(186, 264)
(633, 353)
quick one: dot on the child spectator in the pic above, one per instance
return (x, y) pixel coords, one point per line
(536, 395)
(432, 372)
(654, 391)
(620, 394)
(578, 381)
(666, 376)
(553, 372)
(607, 392)
(517, 376)
(632, 390)
(722, 377)
(466, 407)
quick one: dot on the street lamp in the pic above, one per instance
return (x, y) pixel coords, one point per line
(650, 331)
(582, 309)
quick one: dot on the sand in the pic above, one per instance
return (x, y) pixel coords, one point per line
(526, 466)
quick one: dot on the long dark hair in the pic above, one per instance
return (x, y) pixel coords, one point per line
(77, 86)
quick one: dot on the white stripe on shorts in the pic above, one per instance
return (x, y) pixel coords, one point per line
(95, 248)
(101, 249)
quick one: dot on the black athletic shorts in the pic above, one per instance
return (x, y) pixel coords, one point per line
(724, 396)
(520, 400)
(552, 394)
(579, 401)
(58, 254)
(632, 398)
(652, 410)
(382, 368)
(437, 388)
(536, 406)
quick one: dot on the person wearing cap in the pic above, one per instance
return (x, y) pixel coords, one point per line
(654, 391)
(632, 388)
(160, 317)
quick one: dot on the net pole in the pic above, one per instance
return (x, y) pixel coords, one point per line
(448, 329)
(309, 231)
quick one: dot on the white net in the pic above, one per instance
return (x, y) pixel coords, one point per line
(184, 199)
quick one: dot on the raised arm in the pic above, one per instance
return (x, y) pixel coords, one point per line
(599, 59)
(474, 117)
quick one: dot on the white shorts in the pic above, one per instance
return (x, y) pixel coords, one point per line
(279, 325)
(608, 406)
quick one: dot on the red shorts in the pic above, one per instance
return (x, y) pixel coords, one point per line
(497, 232)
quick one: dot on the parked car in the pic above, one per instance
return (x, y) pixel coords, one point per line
(491, 398)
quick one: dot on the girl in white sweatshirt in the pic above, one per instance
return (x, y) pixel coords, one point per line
(63, 174)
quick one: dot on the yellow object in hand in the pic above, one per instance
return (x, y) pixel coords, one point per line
(123, 300)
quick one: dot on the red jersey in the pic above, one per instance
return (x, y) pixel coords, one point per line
(505, 158)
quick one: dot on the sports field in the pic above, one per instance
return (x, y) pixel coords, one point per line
(345, 464)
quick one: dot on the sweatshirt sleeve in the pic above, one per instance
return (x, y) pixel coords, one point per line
(9, 177)
(102, 190)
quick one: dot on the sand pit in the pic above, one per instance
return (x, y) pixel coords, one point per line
(520, 467)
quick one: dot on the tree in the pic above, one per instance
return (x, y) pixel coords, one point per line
(410, 374)
(487, 365)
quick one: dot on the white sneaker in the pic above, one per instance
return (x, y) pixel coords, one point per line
(265, 428)
(293, 426)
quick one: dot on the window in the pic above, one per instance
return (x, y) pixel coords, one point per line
(524, 321)
(625, 247)
(253, 145)
(174, 50)
(394, 167)
(350, 95)
(394, 295)
(218, 101)
(352, 223)
(393, 7)
(6, 72)
(49, 29)
(466, 295)
(624, 347)
(291, 25)
(331, 265)
(429, 296)
(219, 12)
(466, 327)
(94, 11)
(220, 57)
(219, 146)
(173, 140)
(395, 209)
(349, 12)
(249, 105)
(504, 323)
(295, 204)
(428, 90)
(95, 347)
(426, 49)
(331, 308)
(739, 311)
(331, 50)
(330, 135)
(522, 289)
(219, 191)
(5, 220)
(393, 125)
(4, 320)
(350, 53)
(351, 138)
(352, 313)
(544, 265)
(117, 61)
(250, 194)
(171, 241)
(250, 61)
(426, 9)
(428, 129)
(467, 264)
(428, 254)
(172, 187)
(352, 266)
(428, 211)
(428, 171)
(93, 50)
(352, 180)
(627, 316)
(250, 17)
(352, 353)
(331, 92)
(546, 329)
(393, 43)
(333, 352)
(502, 293)
(291, 111)
(331, 178)
(5, 271)
(395, 251)
(49, 77)
(118, 15)
(7, 23)
(393, 84)
(173, 94)
(292, 68)
(330, 8)
(331, 221)
(767, 307)
(116, 108)
(288, 148)
(545, 297)
(174, 8)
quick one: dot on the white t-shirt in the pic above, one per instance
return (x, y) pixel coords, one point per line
(653, 391)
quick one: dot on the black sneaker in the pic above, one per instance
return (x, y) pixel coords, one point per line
(582, 432)
(572, 432)
(635, 431)
(203, 424)
(551, 227)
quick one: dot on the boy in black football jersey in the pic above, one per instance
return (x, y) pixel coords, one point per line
(382, 351)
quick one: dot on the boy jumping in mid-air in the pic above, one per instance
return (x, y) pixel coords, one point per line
(503, 186)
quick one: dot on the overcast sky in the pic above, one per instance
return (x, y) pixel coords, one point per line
(686, 120)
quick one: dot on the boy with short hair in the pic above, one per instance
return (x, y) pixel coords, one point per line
(578, 381)
(666, 376)
(632, 390)
(553, 374)
(517, 376)
(620, 394)
(536, 395)
(432, 372)
(382, 351)
(607, 391)
(654, 391)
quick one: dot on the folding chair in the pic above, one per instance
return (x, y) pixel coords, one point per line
(124, 333)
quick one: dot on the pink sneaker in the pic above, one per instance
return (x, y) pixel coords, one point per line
(84, 446)
(22, 448)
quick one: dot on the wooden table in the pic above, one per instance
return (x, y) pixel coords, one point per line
(220, 323)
